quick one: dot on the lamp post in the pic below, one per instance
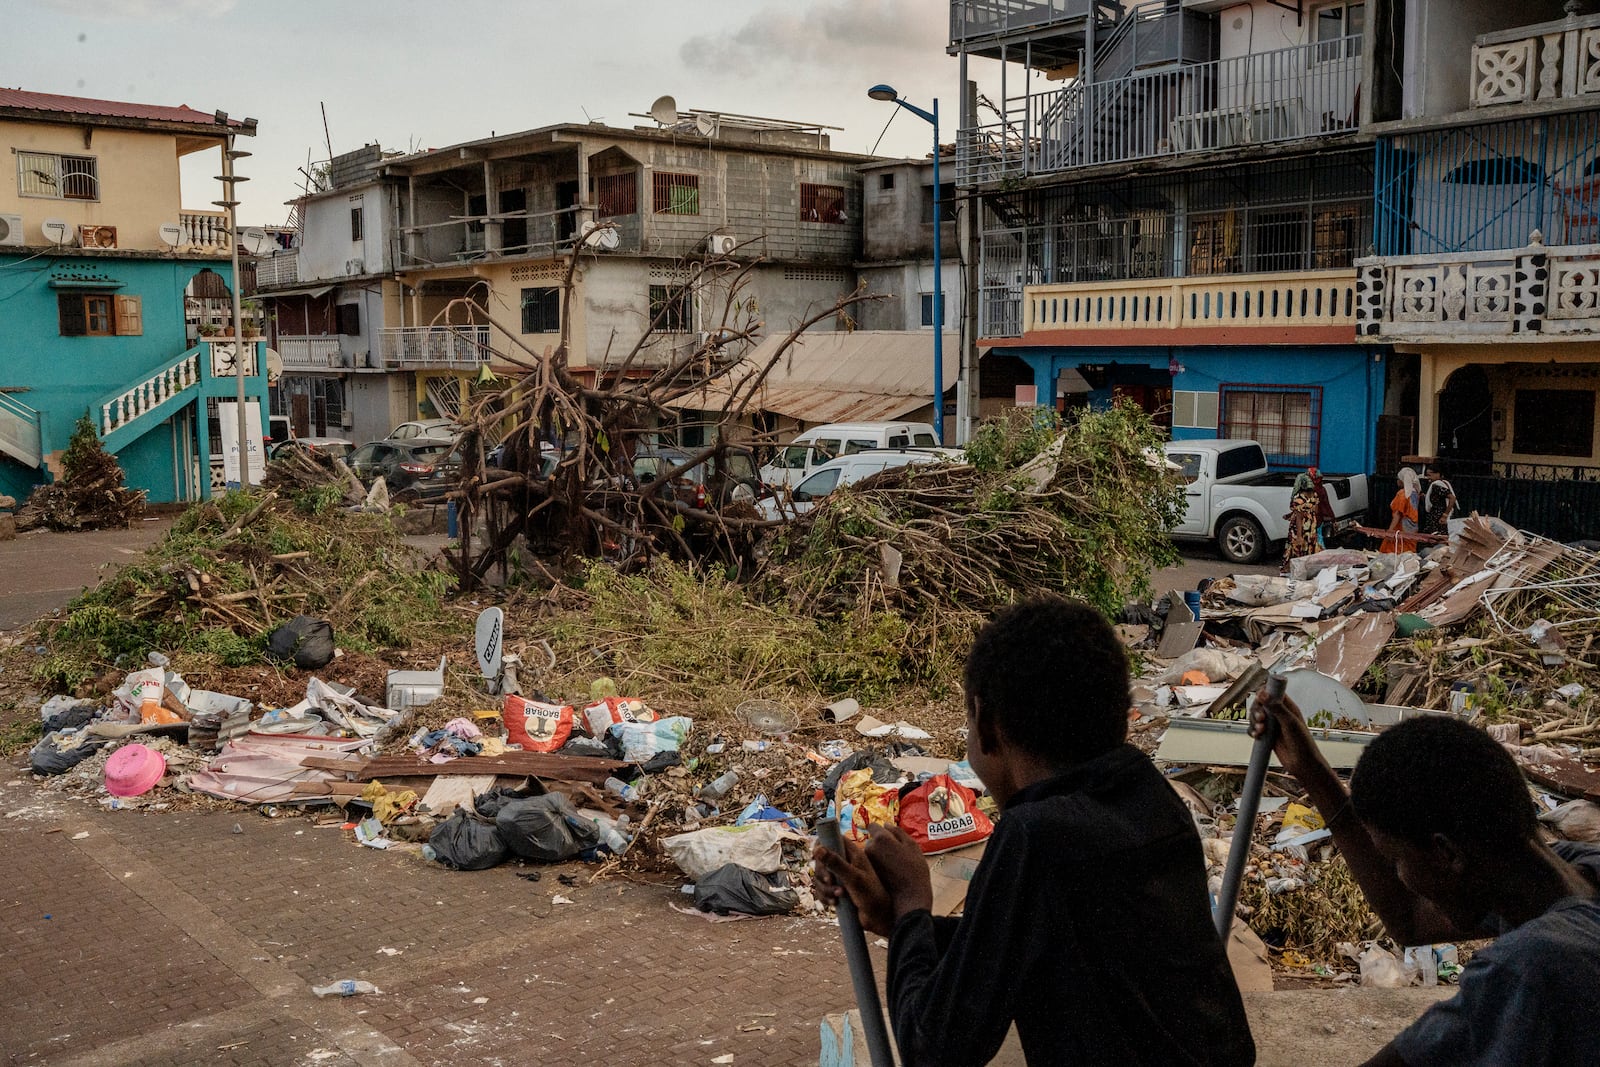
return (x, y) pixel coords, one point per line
(887, 93)
(230, 204)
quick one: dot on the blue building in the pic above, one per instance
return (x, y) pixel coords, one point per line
(114, 299)
(1168, 203)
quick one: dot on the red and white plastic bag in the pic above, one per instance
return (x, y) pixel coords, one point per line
(537, 726)
(942, 814)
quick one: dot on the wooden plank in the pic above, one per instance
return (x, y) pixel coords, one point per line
(329, 789)
(332, 763)
(517, 764)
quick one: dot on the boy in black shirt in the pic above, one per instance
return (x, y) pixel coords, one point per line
(1087, 923)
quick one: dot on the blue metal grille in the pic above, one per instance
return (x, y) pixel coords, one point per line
(1479, 188)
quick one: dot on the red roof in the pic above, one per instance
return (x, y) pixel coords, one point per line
(77, 105)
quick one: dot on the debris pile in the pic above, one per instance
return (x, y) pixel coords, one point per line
(1496, 627)
(90, 494)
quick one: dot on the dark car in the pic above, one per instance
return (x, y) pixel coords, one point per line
(421, 469)
(720, 480)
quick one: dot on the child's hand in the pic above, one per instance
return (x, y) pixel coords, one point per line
(898, 861)
(1295, 748)
(852, 874)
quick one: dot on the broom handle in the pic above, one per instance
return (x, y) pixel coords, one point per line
(1249, 803)
(855, 952)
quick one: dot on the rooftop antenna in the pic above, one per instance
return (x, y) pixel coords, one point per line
(592, 119)
(326, 138)
(665, 111)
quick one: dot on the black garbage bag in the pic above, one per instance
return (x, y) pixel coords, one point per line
(467, 843)
(488, 804)
(545, 829)
(47, 757)
(303, 641)
(874, 759)
(72, 718)
(586, 746)
(732, 888)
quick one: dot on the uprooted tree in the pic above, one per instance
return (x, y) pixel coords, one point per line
(589, 500)
(90, 494)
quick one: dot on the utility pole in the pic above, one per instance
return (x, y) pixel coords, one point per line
(230, 204)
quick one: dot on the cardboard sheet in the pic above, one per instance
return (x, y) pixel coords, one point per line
(1347, 647)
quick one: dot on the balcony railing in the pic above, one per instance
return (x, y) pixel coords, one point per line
(310, 353)
(278, 270)
(1526, 294)
(204, 230)
(975, 19)
(1263, 98)
(20, 435)
(436, 347)
(1235, 302)
(1548, 61)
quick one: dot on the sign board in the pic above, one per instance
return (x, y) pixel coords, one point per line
(228, 417)
(490, 638)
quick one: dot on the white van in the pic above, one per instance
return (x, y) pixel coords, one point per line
(818, 445)
(847, 470)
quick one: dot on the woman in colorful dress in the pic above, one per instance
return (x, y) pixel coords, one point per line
(1404, 513)
(1302, 520)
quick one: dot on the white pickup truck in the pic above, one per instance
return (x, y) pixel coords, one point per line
(1235, 501)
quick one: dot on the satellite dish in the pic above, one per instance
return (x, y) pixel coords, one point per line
(171, 234)
(254, 240)
(56, 231)
(275, 366)
(665, 111)
(706, 125)
(602, 237)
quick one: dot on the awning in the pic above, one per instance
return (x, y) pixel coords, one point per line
(839, 376)
(311, 291)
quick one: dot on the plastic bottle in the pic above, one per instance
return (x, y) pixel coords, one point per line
(622, 789)
(718, 787)
(156, 659)
(756, 746)
(611, 837)
(347, 987)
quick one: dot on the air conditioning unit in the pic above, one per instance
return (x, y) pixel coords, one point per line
(10, 229)
(721, 244)
(355, 266)
(97, 236)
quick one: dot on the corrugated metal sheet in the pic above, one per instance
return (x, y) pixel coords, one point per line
(838, 376)
(79, 105)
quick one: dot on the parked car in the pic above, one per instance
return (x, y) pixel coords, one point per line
(334, 447)
(440, 429)
(423, 469)
(1238, 503)
(847, 470)
(821, 444)
(714, 482)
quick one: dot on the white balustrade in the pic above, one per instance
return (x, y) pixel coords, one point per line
(1548, 61)
(440, 347)
(121, 410)
(1245, 301)
(204, 229)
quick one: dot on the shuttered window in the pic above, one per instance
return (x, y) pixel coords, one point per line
(130, 316)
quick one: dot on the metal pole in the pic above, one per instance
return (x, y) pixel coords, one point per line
(938, 291)
(855, 953)
(231, 204)
(1249, 803)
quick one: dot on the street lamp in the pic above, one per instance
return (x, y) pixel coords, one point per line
(886, 93)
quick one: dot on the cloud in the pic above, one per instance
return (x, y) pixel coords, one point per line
(822, 34)
(144, 10)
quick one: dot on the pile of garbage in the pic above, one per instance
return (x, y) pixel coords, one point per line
(1494, 627)
(90, 494)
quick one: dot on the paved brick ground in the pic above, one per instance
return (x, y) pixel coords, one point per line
(169, 939)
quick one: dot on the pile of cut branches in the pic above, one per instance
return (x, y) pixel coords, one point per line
(229, 572)
(1080, 511)
(90, 495)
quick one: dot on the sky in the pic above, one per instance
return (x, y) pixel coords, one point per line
(412, 75)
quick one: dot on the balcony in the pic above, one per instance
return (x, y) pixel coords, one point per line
(204, 231)
(1548, 61)
(1056, 26)
(1288, 94)
(1529, 294)
(310, 353)
(1280, 308)
(436, 347)
(278, 270)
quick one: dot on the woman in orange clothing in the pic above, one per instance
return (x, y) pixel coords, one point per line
(1403, 512)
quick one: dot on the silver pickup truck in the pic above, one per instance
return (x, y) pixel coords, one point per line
(1240, 505)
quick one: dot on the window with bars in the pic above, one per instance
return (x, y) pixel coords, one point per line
(1553, 422)
(1285, 419)
(675, 194)
(541, 310)
(617, 194)
(58, 177)
(670, 309)
(822, 203)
